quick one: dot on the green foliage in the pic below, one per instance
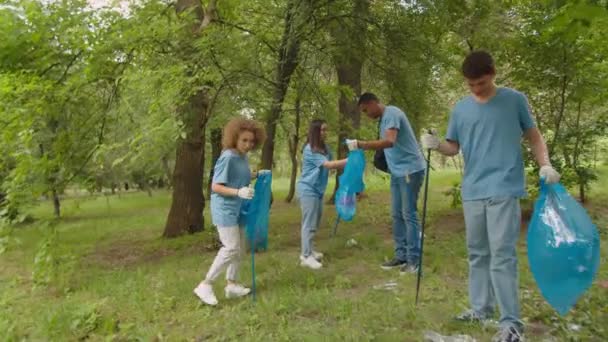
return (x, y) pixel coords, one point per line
(5, 236)
(52, 266)
(45, 261)
(91, 99)
(559, 61)
(56, 92)
(455, 194)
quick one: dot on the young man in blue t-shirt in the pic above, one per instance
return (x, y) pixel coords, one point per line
(487, 127)
(407, 168)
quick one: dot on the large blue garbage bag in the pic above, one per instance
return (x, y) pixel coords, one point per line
(255, 213)
(563, 247)
(351, 183)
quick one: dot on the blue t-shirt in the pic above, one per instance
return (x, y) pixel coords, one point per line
(313, 179)
(231, 170)
(405, 157)
(490, 137)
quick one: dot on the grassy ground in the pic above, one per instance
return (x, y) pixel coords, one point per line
(111, 277)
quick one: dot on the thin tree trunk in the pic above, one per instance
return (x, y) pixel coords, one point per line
(167, 169)
(286, 65)
(203, 156)
(561, 110)
(576, 153)
(293, 151)
(216, 150)
(56, 204)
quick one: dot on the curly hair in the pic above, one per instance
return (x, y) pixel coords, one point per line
(235, 126)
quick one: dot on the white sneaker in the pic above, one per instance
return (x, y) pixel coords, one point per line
(317, 255)
(236, 290)
(310, 262)
(205, 293)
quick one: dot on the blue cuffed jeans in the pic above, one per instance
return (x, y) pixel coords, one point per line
(406, 229)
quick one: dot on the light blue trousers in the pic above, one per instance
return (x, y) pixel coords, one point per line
(312, 209)
(492, 231)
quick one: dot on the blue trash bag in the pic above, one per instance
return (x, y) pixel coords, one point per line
(346, 205)
(563, 247)
(351, 183)
(255, 213)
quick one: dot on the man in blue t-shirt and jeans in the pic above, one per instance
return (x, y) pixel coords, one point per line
(487, 127)
(407, 167)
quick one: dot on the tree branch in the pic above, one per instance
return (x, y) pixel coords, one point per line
(48, 69)
(251, 32)
(67, 69)
(209, 15)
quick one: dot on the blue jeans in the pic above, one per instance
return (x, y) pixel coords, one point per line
(492, 229)
(312, 209)
(406, 229)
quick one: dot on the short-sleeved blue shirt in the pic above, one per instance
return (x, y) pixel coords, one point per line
(314, 177)
(490, 137)
(405, 157)
(231, 170)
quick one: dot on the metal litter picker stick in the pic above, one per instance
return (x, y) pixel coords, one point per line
(426, 195)
(336, 225)
(253, 269)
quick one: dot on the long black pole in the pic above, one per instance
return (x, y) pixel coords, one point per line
(426, 195)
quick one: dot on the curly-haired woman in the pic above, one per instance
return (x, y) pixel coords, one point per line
(230, 186)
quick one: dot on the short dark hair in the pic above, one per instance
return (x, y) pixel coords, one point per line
(478, 64)
(367, 97)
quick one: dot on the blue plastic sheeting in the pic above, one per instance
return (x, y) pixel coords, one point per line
(256, 212)
(563, 247)
(351, 183)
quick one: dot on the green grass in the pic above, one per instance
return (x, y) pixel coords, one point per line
(113, 278)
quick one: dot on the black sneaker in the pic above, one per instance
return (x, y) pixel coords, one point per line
(509, 334)
(389, 265)
(409, 268)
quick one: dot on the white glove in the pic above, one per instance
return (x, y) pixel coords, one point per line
(245, 192)
(263, 172)
(352, 144)
(549, 174)
(430, 141)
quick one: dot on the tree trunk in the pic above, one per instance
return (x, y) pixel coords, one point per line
(293, 151)
(582, 179)
(56, 204)
(168, 173)
(186, 213)
(350, 117)
(560, 114)
(348, 59)
(216, 150)
(286, 65)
